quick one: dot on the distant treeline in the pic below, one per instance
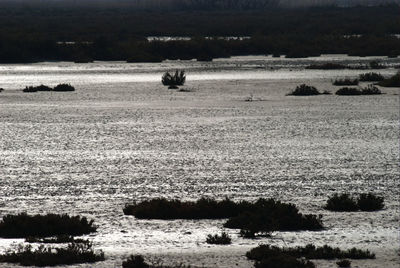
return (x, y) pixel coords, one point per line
(47, 33)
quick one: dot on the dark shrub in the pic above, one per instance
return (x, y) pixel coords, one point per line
(63, 87)
(160, 208)
(304, 90)
(55, 240)
(30, 89)
(283, 261)
(174, 80)
(43, 88)
(370, 90)
(309, 251)
(327, 66)
(135, 261)
(344, 263)
(1, 89)
(222, 239)
(247, 234)
(23, 225)
(348, 91)
(371, 77)
(72, 254)
(376, 65)
(345, 82)
(343, 202)
(370, 202)
(268, 215)
(393, 81)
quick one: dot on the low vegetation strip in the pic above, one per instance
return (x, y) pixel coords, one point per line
(306, 90)
(23, 225)
(352, 91)
(58, 88)
(309, 252)
(47, 256)
(393, 81)
(345, 82)
(371, 77)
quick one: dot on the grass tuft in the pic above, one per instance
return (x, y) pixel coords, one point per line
(223, 239)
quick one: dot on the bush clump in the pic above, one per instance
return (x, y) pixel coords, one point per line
(345, 82)
(393, 81)
(223, 239)
(43, 256)
(344, 263)
(371, 77)
(63, 87)
(283, 261)
(174, 80)
(135, 261)
(268, 215)
(304, 90)
(309, 252)
(23, 225)
(352, 91)
(364, 202)
(55, 240)
(204, 208)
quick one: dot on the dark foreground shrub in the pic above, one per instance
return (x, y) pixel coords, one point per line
(63, 87)
(174, 80)
(345, 82)
(222, 239)
(327, 66)
(309, 252)
(370, 90)
(43, 256)
(370, 202)
(348, 91)
(283, 261)
(135, 261)
(344, 263)
(43, 88)
(343, 202)
(268, 215)
(203, 208)
(1, 89)
(55, 240)
(371, 77)
(393, 81)
(304, 90)
(23, 225)
(30, 89)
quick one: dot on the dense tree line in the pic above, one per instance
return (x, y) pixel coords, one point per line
(92, 33)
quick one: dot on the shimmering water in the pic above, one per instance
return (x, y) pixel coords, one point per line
(122, 137)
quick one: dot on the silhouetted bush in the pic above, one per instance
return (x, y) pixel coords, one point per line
(304, 90)
(309, 252)
(371, 77)
(345, 82)
(30, 89)
(268, 215)
(55, 240)
(370, 90)
(161, 208)
(365, 202)
(222, 239)
(23, 225)
(174, 80)
(135, 261)
(393, 81)
(43, 256)
(327, 66)
(1, 89)
(283, 261)
(247, 234)
(63, 87)
(344, 263)
(376, 65)
(348, 91)
(343, 202)
(370, 202)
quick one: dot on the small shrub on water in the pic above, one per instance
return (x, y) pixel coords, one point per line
(63, 87)
(222, 239)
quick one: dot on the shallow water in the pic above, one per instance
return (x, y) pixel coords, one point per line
(123, 137)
